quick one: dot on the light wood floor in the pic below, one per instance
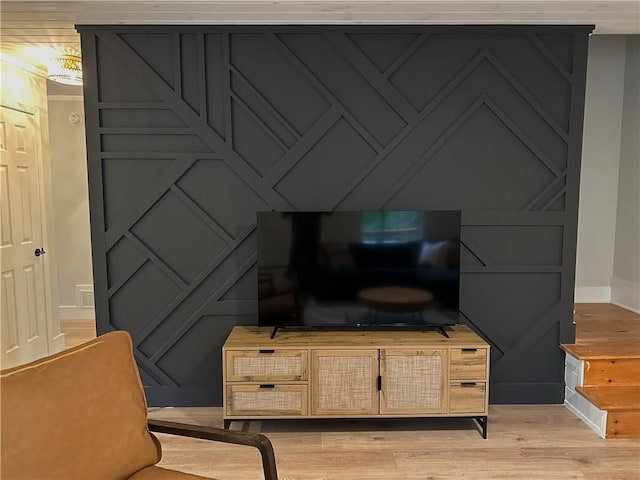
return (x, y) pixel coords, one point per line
(525, 441)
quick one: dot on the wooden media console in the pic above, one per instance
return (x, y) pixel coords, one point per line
(355, 374)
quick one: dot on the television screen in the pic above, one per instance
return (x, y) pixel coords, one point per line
(358, 269)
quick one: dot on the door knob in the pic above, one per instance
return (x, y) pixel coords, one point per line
(39, 251)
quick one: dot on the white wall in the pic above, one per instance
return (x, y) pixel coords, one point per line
(608, 261)
(600, 168)
(625, 283)
(71, 206)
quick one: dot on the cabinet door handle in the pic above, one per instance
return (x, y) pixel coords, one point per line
(468, 384)
(267, 351)
(469, 350)
(267, 386)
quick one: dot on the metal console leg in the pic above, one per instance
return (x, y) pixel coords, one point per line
(226, 423)
(482, 421)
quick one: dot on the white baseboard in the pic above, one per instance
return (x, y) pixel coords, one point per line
(625, 294)
(72, 312)
(58, 343)
(592, 295)
(595, 418)
(65, 98)
(84, 296)
(591, 415)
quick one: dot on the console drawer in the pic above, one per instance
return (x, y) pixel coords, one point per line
(266, 365)
(468, 364)
(267, 400)
(467, 397)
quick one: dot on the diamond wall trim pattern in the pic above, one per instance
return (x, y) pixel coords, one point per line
(207, 125)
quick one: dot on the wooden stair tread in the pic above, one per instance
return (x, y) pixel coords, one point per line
(613, 398)
(599, 351)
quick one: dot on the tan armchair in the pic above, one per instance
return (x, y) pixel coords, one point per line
(81, 415)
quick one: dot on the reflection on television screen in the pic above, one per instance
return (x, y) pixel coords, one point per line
(354, 269)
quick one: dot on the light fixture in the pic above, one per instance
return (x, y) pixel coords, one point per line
(66, 68)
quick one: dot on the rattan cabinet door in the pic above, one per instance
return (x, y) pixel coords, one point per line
(344, 382)
(413, 381)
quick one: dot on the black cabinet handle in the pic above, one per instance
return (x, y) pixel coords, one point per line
(267, 351)
(267, 386)
(468, 384)
(469, 350)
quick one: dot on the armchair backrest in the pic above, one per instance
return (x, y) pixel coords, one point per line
(80, 414)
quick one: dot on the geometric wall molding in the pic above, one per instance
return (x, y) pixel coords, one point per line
(191, 130)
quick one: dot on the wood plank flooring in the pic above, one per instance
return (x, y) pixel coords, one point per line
(525, 442)
(598, 322)
(532, 442)
(77, 331)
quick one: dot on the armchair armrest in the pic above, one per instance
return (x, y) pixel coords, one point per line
(257, 440)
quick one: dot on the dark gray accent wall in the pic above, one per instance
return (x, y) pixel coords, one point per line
(191, 130)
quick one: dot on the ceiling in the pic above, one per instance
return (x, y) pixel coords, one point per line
(44, 24)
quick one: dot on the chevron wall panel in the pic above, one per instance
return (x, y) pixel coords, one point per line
(191, 130)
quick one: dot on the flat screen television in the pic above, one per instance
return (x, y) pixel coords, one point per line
(358, 269)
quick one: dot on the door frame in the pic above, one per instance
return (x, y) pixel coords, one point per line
(55, 337)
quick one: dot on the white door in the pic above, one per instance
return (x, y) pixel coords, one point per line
(22, 289)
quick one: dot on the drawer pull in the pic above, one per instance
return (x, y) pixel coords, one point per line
(469, 350)
(267, 386)
(468, 384)
(267, 351)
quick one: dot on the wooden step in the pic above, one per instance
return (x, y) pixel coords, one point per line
(612, 372)
(614, 364)
(622, 405)
(602, 374)
(621, 349)
(612, 398)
